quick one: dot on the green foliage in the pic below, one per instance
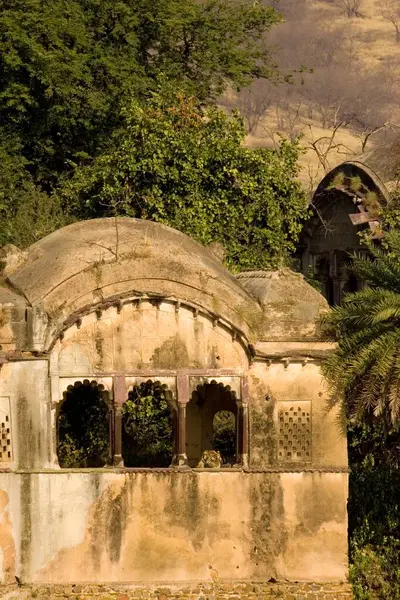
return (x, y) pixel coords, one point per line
(372, 204)
(390, 216)
(224, 442)
(375, 572)
(337, 182)
(68, 66)
(364, 374)
(177, 163)
(147, 427)
(365, 368)
(83, 427)
(26, 212)
(374, 517)
(355, 183)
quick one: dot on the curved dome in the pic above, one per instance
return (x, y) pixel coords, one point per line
(292, 307)
(89, 262)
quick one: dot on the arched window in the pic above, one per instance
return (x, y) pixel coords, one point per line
(211, 422)
(148, 419)
(83, 426)
(224, 435)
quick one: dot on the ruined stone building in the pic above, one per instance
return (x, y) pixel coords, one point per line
(100, 308)
(347, 202)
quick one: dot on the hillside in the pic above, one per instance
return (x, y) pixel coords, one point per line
(353, 87)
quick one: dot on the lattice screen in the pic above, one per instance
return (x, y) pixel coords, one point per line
(294, 431)
(5, 431)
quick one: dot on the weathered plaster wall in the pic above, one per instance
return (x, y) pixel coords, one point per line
(170, 526)
(281, 384)
(25, 387)
(142, 335)
(129, 298)
(92, 262)
(291, 307)
(15, 321)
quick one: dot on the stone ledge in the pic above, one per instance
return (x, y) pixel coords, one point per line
(233, 590)
(178, 470)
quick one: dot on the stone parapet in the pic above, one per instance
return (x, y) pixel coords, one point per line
(235, 590)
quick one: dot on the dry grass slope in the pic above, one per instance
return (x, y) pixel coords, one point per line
(360, 54)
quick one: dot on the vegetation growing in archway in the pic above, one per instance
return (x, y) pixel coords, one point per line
(147, 435)
(184, 165)
(83, 427)
(224, 435)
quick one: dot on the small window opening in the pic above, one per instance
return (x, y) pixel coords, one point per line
(83, 426)
(147, 426)
(224, 435)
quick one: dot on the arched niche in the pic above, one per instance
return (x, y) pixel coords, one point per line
(83, 426)
(207, 400)
(149, 425)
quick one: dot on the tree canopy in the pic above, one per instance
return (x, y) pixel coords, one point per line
(177, 163)
(68, 66)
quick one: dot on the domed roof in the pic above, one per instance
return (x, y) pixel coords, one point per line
(291, 306)
(89, 262)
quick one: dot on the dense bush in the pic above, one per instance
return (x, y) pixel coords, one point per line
(178, 163)
(83, 427)
(364, 373)
(374, 512)
(147, 432)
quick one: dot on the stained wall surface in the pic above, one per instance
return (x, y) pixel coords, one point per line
(281, 387)
(169, 526)
(142, 336)
(166, 310)
(278, 518)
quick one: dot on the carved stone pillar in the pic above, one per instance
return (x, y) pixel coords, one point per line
(245, 434)
(55, 403)
(242, 434)
(118, 461)
(111, 452)
(180, 458)
(242, 427)
(116, 439)
(239, 434)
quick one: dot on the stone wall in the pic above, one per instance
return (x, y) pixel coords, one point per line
(171, 526)
(286, 387)
(194, 591)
